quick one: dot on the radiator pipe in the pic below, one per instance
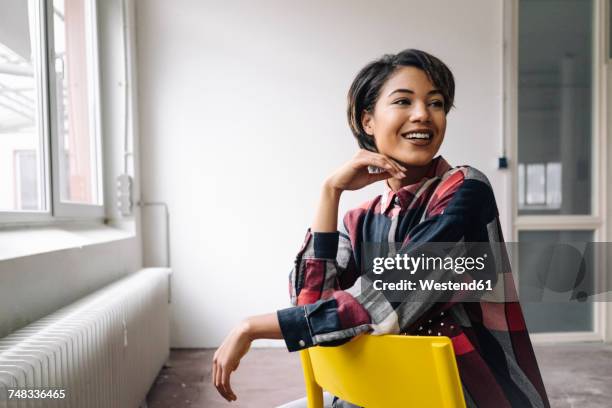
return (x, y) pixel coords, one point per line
(143, 204)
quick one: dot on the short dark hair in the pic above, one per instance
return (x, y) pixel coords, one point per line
(366, 86)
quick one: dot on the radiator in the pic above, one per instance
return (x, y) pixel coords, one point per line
(104, 350)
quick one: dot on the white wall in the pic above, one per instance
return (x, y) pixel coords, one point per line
(242, 116)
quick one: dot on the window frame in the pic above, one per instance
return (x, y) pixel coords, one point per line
(54, 210)
(59, 208)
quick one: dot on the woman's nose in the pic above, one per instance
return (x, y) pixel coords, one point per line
(419, 113)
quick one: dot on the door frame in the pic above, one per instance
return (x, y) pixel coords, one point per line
(600, 168)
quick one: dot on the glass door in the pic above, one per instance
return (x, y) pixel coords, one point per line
(557, 169)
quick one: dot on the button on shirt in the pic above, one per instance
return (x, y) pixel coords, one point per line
(494, 354)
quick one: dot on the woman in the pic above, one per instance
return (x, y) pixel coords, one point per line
(397, 108)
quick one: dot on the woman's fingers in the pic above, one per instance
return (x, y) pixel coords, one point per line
(384, 162)
(214, 372)
(356, 174)
(379, 177)
(221, 378)
(217, 376)
(379, 160)
(217, 379)
(225, 381)
(222, 389)
(220, 384)
(393, 163)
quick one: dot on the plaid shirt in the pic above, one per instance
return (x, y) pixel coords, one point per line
(494, 354)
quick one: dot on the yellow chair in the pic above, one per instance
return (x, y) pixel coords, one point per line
(385, 372)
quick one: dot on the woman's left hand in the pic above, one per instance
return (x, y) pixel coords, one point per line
(227, 357)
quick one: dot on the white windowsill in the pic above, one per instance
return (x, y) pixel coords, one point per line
(27, 241)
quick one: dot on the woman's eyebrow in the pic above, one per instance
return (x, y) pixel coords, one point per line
(410, 91)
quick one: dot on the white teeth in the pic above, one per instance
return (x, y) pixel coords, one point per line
(417, 136)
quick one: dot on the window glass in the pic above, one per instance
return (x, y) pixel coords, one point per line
(75, 102)
(554, 118)
(545, 315)
(21, 135)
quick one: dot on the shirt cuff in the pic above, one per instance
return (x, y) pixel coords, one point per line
(325, 244)
(294, 327)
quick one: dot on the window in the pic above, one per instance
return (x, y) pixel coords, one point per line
(76, 101)
(555, 92)
(21, 73)
(559, 112)
(539, 186)
(50, 149)
(548, 316)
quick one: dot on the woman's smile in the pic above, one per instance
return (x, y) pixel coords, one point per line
(419, 137)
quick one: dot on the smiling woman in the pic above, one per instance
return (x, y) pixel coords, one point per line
(397, 108)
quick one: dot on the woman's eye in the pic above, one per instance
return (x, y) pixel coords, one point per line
(437, 104)
(402, 102)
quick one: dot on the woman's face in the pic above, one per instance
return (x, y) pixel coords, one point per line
(409, 121)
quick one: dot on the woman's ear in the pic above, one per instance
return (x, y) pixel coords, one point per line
(367, 122)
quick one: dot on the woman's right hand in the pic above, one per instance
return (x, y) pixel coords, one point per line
(354, 174)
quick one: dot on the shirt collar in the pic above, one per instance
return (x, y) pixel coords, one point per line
(405, 195)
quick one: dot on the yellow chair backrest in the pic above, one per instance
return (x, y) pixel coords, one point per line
(385, 372)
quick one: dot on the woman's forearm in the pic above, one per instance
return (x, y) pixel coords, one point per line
(326, 216)
(264, 326)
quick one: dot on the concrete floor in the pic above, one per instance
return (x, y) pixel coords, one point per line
(575, 375)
